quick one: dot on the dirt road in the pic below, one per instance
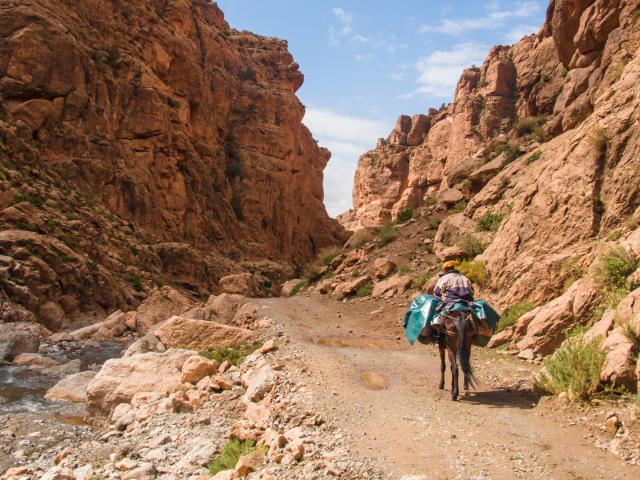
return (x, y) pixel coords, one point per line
(384, 395)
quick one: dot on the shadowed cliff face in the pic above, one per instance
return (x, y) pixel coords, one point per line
(148, 141)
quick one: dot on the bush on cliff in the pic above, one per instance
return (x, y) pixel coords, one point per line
(574, 368)
(512, 314)
(388, 234)
(231, 453)
(471, 245)
(405, 215)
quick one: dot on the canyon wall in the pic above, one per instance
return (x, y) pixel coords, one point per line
(145, 143)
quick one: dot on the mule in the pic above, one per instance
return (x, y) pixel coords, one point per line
(456, 337)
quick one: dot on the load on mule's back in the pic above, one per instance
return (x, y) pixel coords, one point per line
(453, 320)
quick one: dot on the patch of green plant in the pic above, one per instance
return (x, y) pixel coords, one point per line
(365, 290)
(489, 222)
(32, 199)
(299, 286)
(404, 215)
(598, 139)
(388, 234)
(135, 282)
(311, 273)
(631, 223)
(64, 257)
(512, 152)
(470, 245)
(419, 281)
(329, 254)
(613, 266)
(528, 125)
(231, 453)
(67, 240)
(330, 274)
(614, 236)
(512, 314)
(430, 201)
(574, 368)
(234, 354)
(458, 207)
(532, 158)
(576, 331)
(476, 272)
(29, 227)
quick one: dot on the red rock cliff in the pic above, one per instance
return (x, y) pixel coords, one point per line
(147, 142)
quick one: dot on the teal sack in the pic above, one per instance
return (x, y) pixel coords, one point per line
(420, 315)
(483, 311)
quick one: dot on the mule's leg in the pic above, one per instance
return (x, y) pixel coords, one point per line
(442, 346)
(466, 379)
(454, 374)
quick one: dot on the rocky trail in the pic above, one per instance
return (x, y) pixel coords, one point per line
(383, 394)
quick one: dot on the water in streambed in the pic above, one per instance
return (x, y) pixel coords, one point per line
(22, 388)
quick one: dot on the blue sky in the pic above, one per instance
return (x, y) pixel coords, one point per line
(366, 62)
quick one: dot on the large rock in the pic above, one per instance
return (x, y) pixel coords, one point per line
(196, 368)
(161, 304)
(289, 286)
(620, 362)
(398, 284)
(17, 338)
(383, 267)
(110, 327)
(239, 284)
(350, 287)
(120, 379)
(72, 388)
(200, 335)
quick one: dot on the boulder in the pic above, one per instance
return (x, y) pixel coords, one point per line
(246, 316)
(324, 286)
(35, 360)
(287, 287)
(346, 289)
(162, 303)
(120, 379)
(450, 196)
(17, 338)
(110, 327)
(258, 381)
(58, 473)
(200, 335)
(398, 283)
(220, 308)
(51, 315)
(241, 284)
(148, 343)
(249, 463)
(196, 368)
(72, 388)
(620, 363)
(383, 267)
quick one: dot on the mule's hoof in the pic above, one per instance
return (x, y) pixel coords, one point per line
(467, 393)
(441, 387)
(454, 398)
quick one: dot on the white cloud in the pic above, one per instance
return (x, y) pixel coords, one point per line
(359, 39)
(347, 138)
(494, 18)
(440, 71)
(519, 31)
(363, 57)
(346, 19)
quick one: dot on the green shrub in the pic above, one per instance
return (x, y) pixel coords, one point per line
(29, 227)
(405, 215)
(471, 245)
(231, 453)
(388, 234)
(613, 266)
(32, 199)
(528, 125)
(419, 281)
(135, 282)
(512, 152)
(458, 207)
(311, 273)
(614, 236)
(574, 368)
(489, 222)
(296, 289)
(430, 201)
(234, 354)
(532, 158)
(598, 139)
(329, 254)
(512, 314)
(365, 290)
(474, 271)
(433, 224)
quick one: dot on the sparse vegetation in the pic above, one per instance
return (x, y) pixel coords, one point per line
(574, 368)
(419, 281)
(329, 254)
(529, 125)
(135, 282)
(231, 453)
(471, 245)
(433, 224)
(299, 286)
(430, 201)
(365, 290)
(571, 269)
(311, 273)
(405, 215)
(512, 314)
(489, 222)
(598, 139)
(458, 207)
(234, 354)
(476, 272)
(532, 158)
(388, 234)
(612, 267)
(32, 199)
(23, 225)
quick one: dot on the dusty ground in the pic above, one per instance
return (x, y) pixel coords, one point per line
(384, 395)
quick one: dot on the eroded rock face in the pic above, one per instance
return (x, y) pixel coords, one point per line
(147, 142)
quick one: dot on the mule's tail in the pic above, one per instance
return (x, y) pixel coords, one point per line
(464, 350)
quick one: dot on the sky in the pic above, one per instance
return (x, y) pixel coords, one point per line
(367, 62)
